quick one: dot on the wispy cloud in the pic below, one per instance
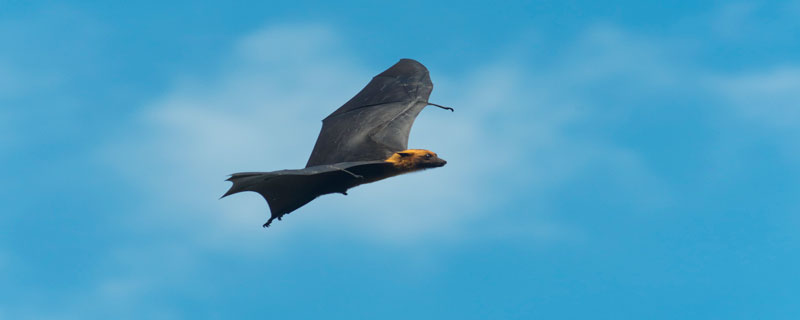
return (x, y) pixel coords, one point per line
(733, 20)
(769, 97)
(262, 113)
(587, 140)
(517, 137)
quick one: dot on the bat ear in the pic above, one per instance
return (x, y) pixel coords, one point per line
(404, 154)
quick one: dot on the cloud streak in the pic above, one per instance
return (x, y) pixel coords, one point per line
(518, 145)
(262, 111)
(513, 131)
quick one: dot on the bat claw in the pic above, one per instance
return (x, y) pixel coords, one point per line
(443, 107)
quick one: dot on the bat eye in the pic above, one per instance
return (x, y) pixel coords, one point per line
(428, 156)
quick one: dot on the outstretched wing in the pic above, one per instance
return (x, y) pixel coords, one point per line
(376, 122)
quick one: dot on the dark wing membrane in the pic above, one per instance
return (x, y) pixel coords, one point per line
(376, 122)
(287, 190)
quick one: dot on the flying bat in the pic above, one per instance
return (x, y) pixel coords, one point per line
(363, 141)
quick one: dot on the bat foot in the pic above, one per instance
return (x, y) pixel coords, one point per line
(266, 224)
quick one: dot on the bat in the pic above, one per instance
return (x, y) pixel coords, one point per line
(363, 141)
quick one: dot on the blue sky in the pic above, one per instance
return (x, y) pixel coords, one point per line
(614, 160)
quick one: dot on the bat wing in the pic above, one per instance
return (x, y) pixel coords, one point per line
(287, 190)
(376, 122)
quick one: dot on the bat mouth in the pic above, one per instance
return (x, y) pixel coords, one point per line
(437, 163)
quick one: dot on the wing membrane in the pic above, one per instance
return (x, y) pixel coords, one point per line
(376, 122)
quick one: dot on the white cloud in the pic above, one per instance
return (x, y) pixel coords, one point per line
(511, 128)
(733, 20)
(761, 110)
(262, 113)
(770, 97)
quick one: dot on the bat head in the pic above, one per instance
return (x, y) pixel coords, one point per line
(416, 159)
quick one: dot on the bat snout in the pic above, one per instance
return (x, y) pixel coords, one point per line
(431, 163)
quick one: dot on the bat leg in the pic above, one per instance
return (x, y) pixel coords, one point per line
(357, 176)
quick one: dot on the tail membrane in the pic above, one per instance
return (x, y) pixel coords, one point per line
(245, 181)
(288, 190)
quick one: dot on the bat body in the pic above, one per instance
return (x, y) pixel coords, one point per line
(363, 141)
